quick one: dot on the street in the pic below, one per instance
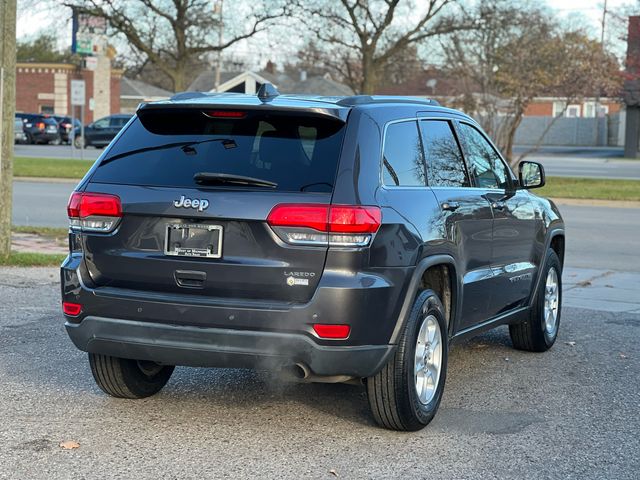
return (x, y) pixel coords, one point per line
(571, 412)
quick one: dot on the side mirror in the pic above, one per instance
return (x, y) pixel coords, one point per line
(531, 175)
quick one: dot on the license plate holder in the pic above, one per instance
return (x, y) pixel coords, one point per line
(193, 240)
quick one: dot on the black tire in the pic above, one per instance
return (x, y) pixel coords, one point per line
(79, 141)
(532, 335)
(124, 378)
(392, 393)
(30, 140)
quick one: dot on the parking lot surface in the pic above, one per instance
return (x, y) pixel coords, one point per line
(569, 413)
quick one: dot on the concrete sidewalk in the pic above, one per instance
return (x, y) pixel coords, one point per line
(602, 290)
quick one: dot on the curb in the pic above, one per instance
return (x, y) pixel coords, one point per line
(588, 202)
(47, 180)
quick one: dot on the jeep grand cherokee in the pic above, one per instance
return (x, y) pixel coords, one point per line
(340, 239)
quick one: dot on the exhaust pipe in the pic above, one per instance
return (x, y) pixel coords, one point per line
(301, 371)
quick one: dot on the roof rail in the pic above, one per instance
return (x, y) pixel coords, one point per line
(267, 92)
(354, 100)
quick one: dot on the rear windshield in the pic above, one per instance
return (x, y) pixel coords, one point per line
(169, 147)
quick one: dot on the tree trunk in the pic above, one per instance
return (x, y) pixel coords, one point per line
(7, 112)
(369, 74)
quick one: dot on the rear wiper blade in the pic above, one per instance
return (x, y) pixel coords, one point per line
(208, 178)
(226, 142)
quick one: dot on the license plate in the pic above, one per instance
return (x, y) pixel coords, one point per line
(201, 241)
(52, 129)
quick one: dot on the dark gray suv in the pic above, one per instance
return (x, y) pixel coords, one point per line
(336, 239)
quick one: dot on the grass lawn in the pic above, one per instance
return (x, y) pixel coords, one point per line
(50, 167)
(590, 188)
(52, 232)
(24, 259)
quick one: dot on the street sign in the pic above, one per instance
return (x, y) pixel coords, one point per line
(88, 33)
(91, 63)
(78, 94)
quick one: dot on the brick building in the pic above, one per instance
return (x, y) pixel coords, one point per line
(45, 88)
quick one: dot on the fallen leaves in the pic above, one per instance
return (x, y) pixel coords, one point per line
(571, 344)
(333, 472)
(69, 445)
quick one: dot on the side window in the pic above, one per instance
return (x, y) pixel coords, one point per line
(118, 122)
(102, 123)
(445, 166)
(487, 168)
(402, 160)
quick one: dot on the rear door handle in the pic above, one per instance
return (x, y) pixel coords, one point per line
(450, 206)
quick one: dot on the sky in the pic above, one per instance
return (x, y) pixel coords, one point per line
(35, 16)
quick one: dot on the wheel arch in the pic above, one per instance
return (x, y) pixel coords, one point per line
(556, 241)
(440, 273)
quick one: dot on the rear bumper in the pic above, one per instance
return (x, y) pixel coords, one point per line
(193, 330)
(218, 347)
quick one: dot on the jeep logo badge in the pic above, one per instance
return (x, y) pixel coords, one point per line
(199, 204)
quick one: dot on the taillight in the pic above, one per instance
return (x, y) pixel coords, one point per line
(225, 114)
(318, 224)
(71, 309)
(335, 332)
(40, 126)
(94, 212)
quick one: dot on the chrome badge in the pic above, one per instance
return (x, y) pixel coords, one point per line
(199, 204)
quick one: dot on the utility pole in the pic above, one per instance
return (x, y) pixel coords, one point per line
(217, 9)
(597, 102)
(7, 113)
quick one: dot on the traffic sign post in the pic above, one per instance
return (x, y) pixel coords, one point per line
(78, 98)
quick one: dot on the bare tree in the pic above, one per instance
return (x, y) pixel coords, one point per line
(174, 34)
(517, 54)
(358, 38)
(7, 108)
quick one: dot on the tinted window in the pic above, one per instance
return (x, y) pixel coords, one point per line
(102, 123)
(299, 153)
(445, 166)
(487, 168)
(118, 122)
(402, 161)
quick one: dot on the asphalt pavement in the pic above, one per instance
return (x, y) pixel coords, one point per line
(571, 412)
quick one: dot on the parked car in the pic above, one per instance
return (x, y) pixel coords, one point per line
(39, 128)
(101, 132)
(339, 239)
(65, 127)
(18, 133)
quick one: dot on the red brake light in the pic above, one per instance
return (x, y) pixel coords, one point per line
(100, 204)
(225, 114)
(71, 309)
(292, 215)
(332, 331)
(94, 212)
(40, 125)
(327, 218)
(83, 205)
(343, 219)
